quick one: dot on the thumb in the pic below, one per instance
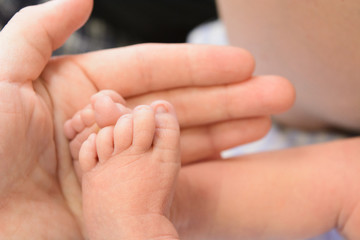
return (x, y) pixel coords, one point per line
(28, 40)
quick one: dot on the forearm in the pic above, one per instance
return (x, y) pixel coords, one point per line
(286, 194)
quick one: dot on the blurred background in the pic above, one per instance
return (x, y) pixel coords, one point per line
(116, 23)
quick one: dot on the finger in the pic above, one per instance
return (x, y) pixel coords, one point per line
(197, 106)
(205, 142)
(152, 67)
(28, 40)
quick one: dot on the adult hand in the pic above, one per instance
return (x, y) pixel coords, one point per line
(31, 199)
(210, 87)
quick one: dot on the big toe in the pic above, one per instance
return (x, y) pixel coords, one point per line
(108, 108)
(167, 131)
(143, 128)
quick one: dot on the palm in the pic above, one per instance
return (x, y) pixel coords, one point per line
(35, 155)
(30, 187)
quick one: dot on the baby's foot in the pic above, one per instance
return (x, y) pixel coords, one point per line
(105, 109)
(130, 171)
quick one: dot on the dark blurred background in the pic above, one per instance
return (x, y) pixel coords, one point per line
(116, 23)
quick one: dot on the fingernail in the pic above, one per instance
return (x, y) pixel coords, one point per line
(161, 109)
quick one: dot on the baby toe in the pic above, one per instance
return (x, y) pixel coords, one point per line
(88, 155)
(123, 133)
(105, 143)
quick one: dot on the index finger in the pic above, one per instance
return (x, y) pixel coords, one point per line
(152, 67)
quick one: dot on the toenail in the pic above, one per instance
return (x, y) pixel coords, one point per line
(161, 109)
(142, 107)
(126, 116)
(92, 137)
(122, 108)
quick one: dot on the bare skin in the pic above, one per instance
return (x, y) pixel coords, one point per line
(302, 40)
(304, 190)
(105, 109)
(291, 194)
(312, 43)
(133, 160)
(236, 187)
(37, 170)
(39, 94)
(129, 174)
